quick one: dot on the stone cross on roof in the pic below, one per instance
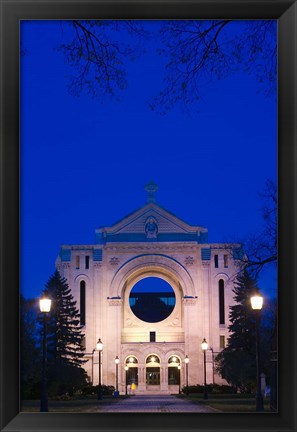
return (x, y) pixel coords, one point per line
(151, 188)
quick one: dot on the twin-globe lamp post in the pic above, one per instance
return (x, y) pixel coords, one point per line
(45, 307)
(257, 304)
(99, 347)
(204, 346)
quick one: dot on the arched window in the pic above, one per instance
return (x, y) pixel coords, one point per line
(174, 370)
(131, 361)
(82, 308)
(221, 301)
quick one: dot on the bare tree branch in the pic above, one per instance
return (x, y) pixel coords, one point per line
(199, 52)
(98, 58)
(260, 249)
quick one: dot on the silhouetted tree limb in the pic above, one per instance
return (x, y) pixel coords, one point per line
(260, 249)
(197, 53)
(98, 57)
(200, 52)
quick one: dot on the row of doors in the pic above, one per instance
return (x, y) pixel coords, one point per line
(153, 376)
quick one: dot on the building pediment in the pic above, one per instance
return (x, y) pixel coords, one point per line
(151, 223)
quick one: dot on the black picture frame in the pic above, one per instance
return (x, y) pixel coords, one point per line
(286, 13)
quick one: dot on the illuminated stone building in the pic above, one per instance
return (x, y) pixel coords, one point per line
(152, 288)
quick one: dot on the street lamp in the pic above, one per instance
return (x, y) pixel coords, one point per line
(99, 347)
(45, 307)
(204, 346)
(257, 304)
(179, 368)
(187, 374)
(117, 361)
(126, 369)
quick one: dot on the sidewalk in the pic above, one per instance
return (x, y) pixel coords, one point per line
(154, 403)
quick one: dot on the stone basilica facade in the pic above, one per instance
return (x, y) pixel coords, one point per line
(152, 330)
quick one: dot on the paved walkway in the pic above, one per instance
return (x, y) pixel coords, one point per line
(155, 403)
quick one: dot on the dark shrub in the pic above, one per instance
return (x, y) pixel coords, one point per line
(223, 389)
(66, 380)
(30, 389)
(107, 390)
(210, 388)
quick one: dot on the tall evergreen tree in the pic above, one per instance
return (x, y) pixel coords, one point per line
(65, 349)
(236, 363)
(65, 337)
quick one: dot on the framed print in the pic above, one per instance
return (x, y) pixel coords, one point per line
(174, 304)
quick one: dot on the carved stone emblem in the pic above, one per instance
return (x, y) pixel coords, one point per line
(114, 261)
(189, 260)
(151, 228)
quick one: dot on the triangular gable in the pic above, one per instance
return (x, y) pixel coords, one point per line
(151, 222)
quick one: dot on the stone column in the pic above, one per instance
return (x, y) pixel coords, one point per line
(163, 379)
(141, 379)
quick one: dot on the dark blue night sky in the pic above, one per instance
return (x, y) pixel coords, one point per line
(84, 162)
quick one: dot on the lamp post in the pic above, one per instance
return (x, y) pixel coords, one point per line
(187, 374)
(45, 306)
(179, 369)
(99, 347)
(257, 304)
(204, 346)
(126, 369)
(117, 361)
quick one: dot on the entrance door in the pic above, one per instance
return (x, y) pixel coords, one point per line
(153, 376)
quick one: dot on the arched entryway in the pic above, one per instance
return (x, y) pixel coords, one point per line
(132, 371)
(174, 370)
(152, 369)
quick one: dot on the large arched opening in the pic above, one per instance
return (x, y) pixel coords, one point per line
(152, 369)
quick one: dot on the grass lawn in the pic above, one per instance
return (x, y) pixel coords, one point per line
(235, 403)
(73, 405)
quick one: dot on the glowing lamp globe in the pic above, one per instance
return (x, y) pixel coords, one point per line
(99, 345)
(45, 304)
(257, 302)
(204, 345)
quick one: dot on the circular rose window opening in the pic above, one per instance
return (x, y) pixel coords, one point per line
(152, 299)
